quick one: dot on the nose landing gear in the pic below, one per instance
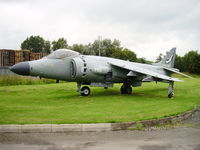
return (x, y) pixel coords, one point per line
(84, 91)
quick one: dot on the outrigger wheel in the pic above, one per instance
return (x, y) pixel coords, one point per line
(126, 89)
(170, 95)
(171, 89)
(85, 91)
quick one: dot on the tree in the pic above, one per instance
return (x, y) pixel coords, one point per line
(34, 44)
(144, 61)
(125, 54)
(77, 47)
(60, 43)
(107, 47)
(88, 50)
(47, 46)
(179, 63)
(191, 62)
(83, 49)
(96, 45)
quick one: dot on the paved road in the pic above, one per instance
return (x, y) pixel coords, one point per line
(180, 138)
(185, 137)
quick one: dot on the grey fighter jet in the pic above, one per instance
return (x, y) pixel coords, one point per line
(97, 71)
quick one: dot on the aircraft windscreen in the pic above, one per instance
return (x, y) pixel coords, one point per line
(62, 53)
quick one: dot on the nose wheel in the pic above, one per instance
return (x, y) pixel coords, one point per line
(85, 91)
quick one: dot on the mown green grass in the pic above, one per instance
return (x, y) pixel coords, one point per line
(21, 80)
(60, 103)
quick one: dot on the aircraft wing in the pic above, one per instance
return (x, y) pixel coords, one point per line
(176, 71)
(144, 71)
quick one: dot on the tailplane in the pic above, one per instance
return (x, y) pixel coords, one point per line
(168, 60)
(167, 63)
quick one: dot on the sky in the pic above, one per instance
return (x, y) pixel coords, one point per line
(147, 27)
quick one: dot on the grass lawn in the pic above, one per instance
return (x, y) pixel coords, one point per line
(60, 103)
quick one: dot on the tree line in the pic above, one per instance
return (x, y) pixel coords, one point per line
(190, 62)
(39, 44)
(107, 47)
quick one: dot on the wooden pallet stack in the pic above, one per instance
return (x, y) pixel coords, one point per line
(7, 57)
(36, 56)
(22, 55)
(10, 57)
(26, 55)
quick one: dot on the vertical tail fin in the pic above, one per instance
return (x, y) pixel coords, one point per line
(169, 59)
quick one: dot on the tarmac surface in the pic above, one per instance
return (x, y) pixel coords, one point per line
(179, 137)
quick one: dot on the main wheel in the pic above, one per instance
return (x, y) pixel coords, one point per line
(126, 89)
(85, 91)
(170, 95)
(122, 89)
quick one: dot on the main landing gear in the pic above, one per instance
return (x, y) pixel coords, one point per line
(84, 91)
(171, 89)
(126, 89)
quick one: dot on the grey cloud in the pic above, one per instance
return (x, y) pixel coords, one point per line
(143, 26)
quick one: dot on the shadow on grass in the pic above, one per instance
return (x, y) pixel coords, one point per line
(147, 93)
(142, 93)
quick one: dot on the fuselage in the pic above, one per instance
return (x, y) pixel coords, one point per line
(68, 65)
(84, 68)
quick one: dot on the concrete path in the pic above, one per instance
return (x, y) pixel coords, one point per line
(181, 138)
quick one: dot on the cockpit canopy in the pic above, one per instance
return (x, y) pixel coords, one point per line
(62, 53)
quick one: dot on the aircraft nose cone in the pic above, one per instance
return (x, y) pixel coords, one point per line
(22, 68)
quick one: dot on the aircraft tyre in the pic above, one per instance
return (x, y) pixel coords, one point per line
(85, 91)
(126, 89)
(122, 89)
(170, 95)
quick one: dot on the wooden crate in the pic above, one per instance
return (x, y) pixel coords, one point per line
(7, 57)
(18, 56)
(22, 55)
(26, 55)
(10, 57)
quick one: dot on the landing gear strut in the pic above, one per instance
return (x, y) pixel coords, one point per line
(84, 91)
(126, 89)
(171, 89)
